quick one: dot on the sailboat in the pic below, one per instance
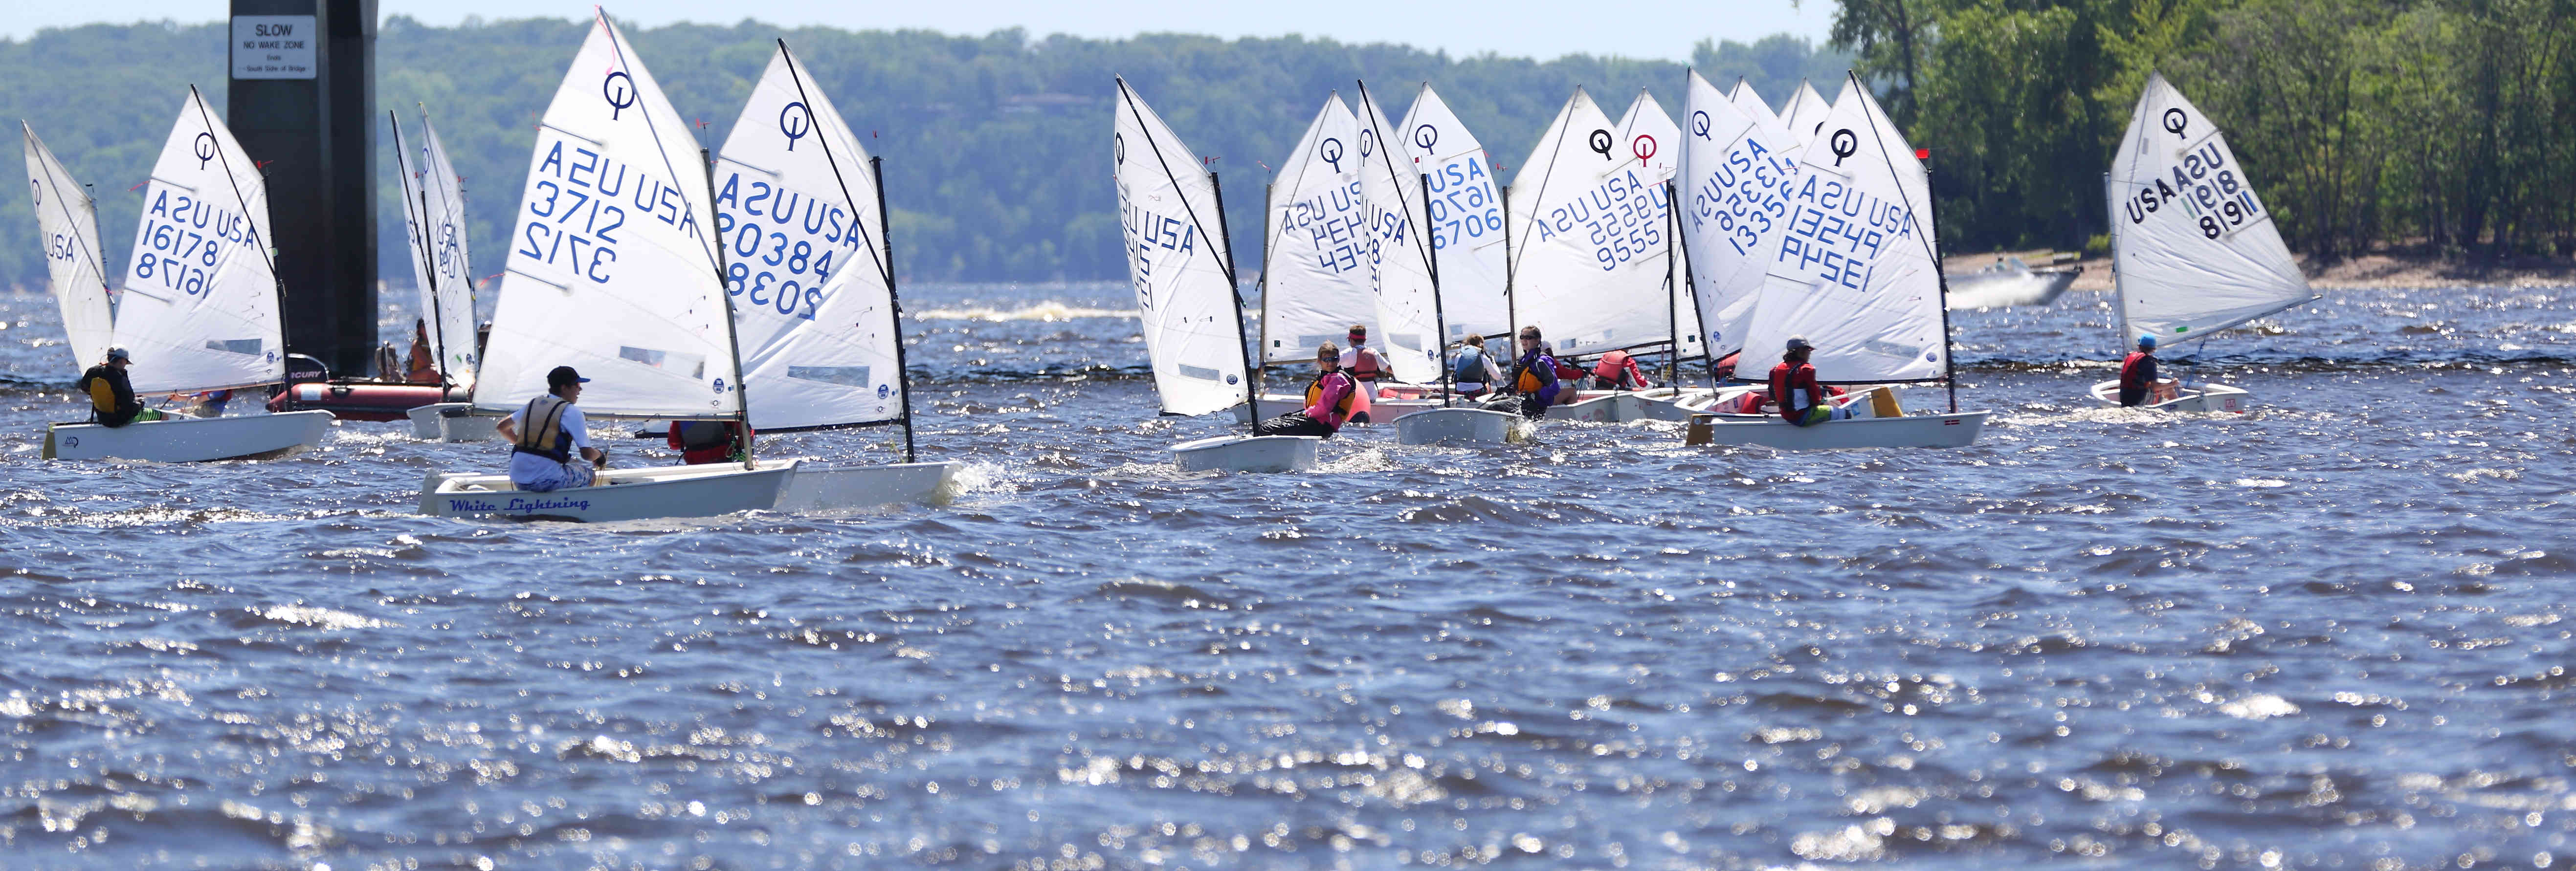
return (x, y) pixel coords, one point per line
(1739, 165)
(68, 219)
(2193, 249)
(199, 311)
(1180, 258)
(616, 271)
(1592, 264)
(434, 220)
(820, 329)
(1410, 306)
(1858, 274)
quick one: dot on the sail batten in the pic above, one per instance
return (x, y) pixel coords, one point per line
(2194, 249)
(796, 204)
(612, 265)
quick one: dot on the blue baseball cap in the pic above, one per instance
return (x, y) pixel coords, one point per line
(2146, 341)
(563, 375)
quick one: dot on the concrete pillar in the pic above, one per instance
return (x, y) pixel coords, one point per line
(302, 101)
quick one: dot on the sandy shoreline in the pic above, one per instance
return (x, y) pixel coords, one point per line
(2372, 271)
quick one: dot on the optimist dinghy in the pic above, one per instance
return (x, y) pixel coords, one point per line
(1173, 216)
(2193, 250)
(200, 306)
(646, 309)
(434, 213)
(1856, 272)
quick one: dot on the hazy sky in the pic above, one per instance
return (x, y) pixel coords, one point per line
(1635, 28)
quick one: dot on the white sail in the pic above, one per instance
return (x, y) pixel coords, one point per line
(68, 218)
(1657, 142)
(1466, 217)
(1588, 229)
(1857, 272)
(1177, 257)
(1407, 300)
(796, 203)
(1738, 165)
(2194, 250)
(454, 331)
(1315, 282)
(199, 310)
(1805, 112)
(612, 265)
(434, 225)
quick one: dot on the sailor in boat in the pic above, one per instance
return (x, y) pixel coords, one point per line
(1532, 385)
(709, 441)
(1472, 370)
(424, 361)
(111, 393)
(545, 434)
(1331, 400)
(2138, 375)
(1803, 402)
(1364, 366)
(1619, 371)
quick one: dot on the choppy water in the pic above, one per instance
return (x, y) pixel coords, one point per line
(2333, 633)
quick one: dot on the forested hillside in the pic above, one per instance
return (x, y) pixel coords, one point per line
(2442, 124)
(996, 146)
(2365, 123)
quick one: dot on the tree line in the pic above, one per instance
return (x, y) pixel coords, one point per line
(2439, 126)
(996, 146)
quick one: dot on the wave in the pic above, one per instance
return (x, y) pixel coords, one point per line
(1048, 311)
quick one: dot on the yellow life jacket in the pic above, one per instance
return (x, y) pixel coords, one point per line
(1315, 394)
(541, 429)
(102, 396)
(1529, 383)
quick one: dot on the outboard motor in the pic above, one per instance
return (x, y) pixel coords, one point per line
(301, 368)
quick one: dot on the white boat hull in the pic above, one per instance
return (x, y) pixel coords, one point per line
(1460, 425)
(619, 494)
(1247, 454)
(1918, 431)
(2189, 397)
(451, 422)
(1605, 406)
(818, 486)
(1981, 289)
(189, 439)
(1381, 410)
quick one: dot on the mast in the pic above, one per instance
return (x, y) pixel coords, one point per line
(1261, 347)
(1511, 311)
(1672, 292)
(420, 244)
(903, 374)
(733, 343)
(1234, 291)
(1439, 313)
(1949, 366)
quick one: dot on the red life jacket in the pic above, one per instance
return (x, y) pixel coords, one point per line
(1365, 365)
(2132, 375)
(1788, 377)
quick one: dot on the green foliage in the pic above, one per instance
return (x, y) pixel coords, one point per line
(2363, 122)
(996, 147)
